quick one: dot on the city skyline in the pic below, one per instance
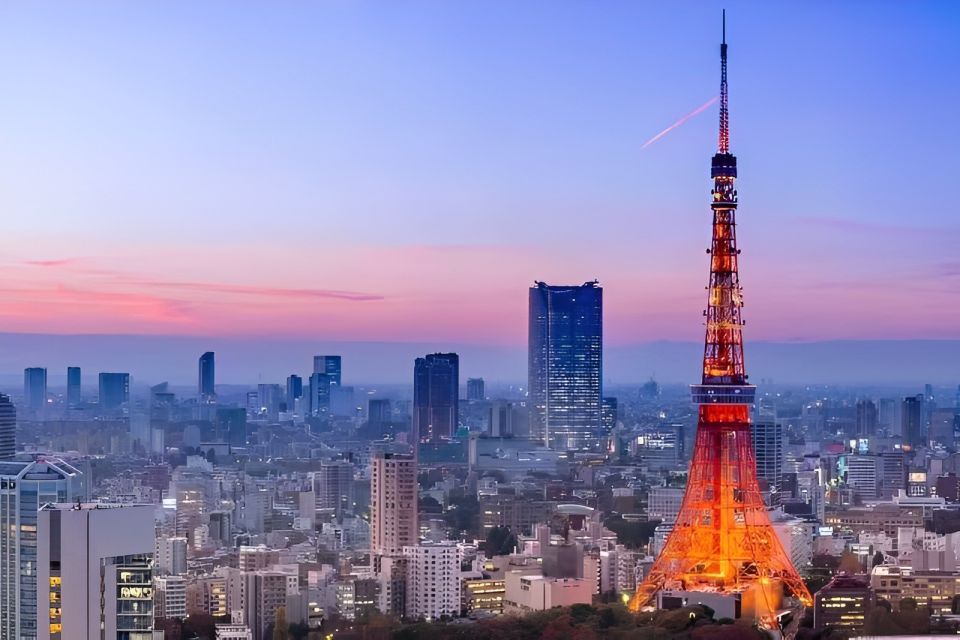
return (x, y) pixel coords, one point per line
(246, 138)
(266, 371)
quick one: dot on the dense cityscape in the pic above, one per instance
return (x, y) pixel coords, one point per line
(324, 505)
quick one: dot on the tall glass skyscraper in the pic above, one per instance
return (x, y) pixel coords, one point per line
(207, 377)
(35, 387)
(8, 428)
(331, 366)
(565, 364)
(436, 396)
(114, 390)
(73, 387)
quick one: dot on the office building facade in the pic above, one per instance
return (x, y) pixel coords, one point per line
(912, 423)
(206, 377)
(35, 387)
(767, 436)
(565, 364)
(114, 390)
(74, 389)
(436, 391)
(319, 400)
(476, 389)
(8, 428)
(294, 391)
(331, 366)
(24, 488)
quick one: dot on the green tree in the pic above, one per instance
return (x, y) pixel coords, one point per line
(877, 559)
(500, 542)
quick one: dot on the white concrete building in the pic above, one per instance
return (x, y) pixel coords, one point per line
(433, 580)
(171, 555)
(170, 597)
(796, 536)
(525, 593)
(86, 550)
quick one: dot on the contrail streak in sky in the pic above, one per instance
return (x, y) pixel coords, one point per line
(679, 122)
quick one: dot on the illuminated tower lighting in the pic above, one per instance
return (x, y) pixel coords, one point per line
(722, 540)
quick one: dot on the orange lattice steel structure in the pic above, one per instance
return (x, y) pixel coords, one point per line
(722, 539)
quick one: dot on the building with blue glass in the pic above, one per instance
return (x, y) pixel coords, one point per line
(436, 397)
(565, 365)
(206, 375)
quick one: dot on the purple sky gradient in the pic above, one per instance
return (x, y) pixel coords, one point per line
(404, 171)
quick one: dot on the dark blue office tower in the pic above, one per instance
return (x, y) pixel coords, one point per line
(207, 378)
(114, 390)
(35, 387)
(294, 390)
(329, 365)
(436, 397)
(565, 364)
(73, 387)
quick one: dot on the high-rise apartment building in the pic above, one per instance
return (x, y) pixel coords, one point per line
(263, 592)
(393, 503)
(170, 597)
(333, 486)
(912, 415)
(206, 377)
(74, 390)
(24, 488)
(565, 361)
(114, 390)
(433, 581)
(475, 389)
(767, 438)
(8, 428)
(331, 366)
(94, 569)
(436, 397)
(35, 387)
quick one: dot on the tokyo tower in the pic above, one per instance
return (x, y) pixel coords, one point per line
(722, 540)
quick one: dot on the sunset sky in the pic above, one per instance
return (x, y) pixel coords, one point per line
(404, 171)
